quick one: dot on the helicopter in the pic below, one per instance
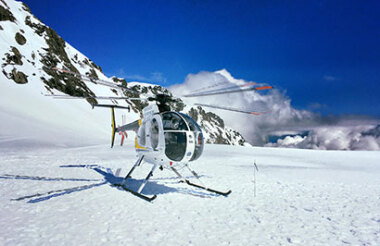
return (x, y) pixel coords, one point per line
(164, 138)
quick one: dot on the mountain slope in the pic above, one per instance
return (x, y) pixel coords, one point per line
(29, 49)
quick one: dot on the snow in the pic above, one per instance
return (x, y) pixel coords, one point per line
(304, 197)
(133, 83)
(26, 113)
(57, 171)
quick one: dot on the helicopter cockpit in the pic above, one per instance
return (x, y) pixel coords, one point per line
(173, 134)
(183, 137)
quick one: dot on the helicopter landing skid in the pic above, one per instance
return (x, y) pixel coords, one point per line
(146, 198)
(208, 189)
(196, 185)
(138, 192)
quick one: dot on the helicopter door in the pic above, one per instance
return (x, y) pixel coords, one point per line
(196, 139)
(141, 138)
(190, 146)
(156, 133)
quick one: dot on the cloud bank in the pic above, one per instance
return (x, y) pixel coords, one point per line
(334, 138)
(279, 119)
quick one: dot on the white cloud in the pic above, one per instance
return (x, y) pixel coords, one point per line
(280, 116)
(135, 77)
(361, 137)
(154, 77)
(157, 77)
(279, 112)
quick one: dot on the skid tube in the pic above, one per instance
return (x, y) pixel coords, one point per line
(208, 189)
(138, 192)
(146, 198)
(197, 185)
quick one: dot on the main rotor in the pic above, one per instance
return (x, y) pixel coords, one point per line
(163, 100)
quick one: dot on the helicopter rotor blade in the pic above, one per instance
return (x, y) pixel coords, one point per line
(229, 90)
(111, 106)
(96, 97)
(229, 109)
(90, 79)
(211, 86)
(225, 83)
(233, 87)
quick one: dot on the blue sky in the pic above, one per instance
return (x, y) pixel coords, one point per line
(325, 54)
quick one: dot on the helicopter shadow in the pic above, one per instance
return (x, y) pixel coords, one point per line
(151, 188)
(38, 178)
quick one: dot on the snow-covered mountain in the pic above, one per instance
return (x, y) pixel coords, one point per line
(51, 195)
(29, 49)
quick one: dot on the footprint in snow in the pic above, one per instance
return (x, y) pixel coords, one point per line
(376, 220)
(258, 220)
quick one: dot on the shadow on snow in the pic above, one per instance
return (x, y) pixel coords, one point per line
(151, 188)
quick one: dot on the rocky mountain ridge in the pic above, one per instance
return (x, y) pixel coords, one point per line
(29, 49)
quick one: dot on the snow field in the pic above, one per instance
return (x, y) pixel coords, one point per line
(304, 197)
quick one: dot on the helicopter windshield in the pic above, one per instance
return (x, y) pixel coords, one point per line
(192, 124)
(172, 121)
(175, 129)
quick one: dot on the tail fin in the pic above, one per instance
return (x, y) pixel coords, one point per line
(113, 126)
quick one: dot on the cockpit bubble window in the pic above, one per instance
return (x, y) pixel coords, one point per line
(154, 134)
(199, 145)
(141, 135)
(198, 136)
(172, 121)
(175, 145)
(191, 122)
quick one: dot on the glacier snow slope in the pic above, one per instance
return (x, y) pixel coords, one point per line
(36, 119)
(304, 197)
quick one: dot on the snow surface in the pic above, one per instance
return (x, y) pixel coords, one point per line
(56, 181)
(304, 197)
(26, 113)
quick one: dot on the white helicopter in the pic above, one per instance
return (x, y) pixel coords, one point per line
(166, 139)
